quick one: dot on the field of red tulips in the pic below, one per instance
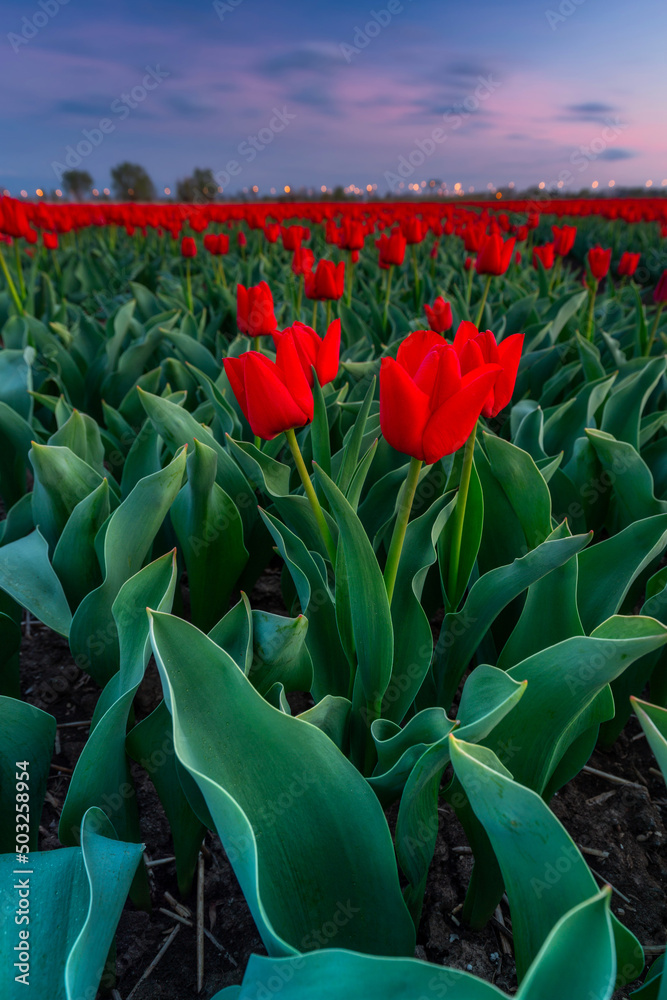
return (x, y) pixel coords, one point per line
(333, 599)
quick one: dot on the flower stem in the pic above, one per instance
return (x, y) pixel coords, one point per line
(591, 312)
(402, 518)
(654, 328)
(11, 286)
(257, 344)
(19, 269)
(483, 302)
(221, 269)
(555, 273)
(298, 297)
(314, 322)
(415, 268)
(328, 312)
(386, 298)
(459, 515)
(469, 286)
(188, 282)
(350, 277)
(312, 495)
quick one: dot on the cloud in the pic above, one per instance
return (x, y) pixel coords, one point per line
(617, 154)
(312, 58)
(588, 111)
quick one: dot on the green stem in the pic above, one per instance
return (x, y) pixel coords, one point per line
(415, 268)
(386, 298)
(257, 344)
(312, 495)
(591, 312)
(555, 273)
(19, 269)
(654, 328)
(314, 322)
(221, 270)
(328, 312)
(10, 285)
(469, 286)
(483, 302)
(350, 276)
(298, 297)
(459, 516)
(188, 282)
(402, 518)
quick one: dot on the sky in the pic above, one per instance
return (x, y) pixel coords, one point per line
(297, 93)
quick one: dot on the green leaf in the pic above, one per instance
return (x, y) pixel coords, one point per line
(27, 575)
(26, 735)
(545, 874)
(300, 825)
(62, 480)
(210, 535)
(76, 898)
(624, 408)
(74, 559)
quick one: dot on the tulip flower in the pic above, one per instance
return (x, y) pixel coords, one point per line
(241, 239)
(392, 249)
(439, 315)
(545, 255)
(628, 264)
(351, 237)
(599, 261)
(188, 247)
(494, 257)
(293, 236)
(275, 397)
(414, 230)
(428, 409)
(320, 353)
(563, 239)
(326, 282)
(272, 232)
(50, 240)
(254, 311)
(476, 349)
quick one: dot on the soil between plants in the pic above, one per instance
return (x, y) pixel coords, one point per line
(622, 829)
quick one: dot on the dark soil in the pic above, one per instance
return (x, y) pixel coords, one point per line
(620, 827)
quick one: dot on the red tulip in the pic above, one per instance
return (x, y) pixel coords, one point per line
(272, 232)
(303, 260)
(628, 263)
(494, 256)
(392, 249)
(274, 396)
(439, 315)
(599, 261)
(428, 409)
(351, 235)
(254, 310)
(545, 255)
(434, 250)
(477, 350)
(320, 353)
(660, 290)
(473, 237)
(188, 247)
(327, 282)
(50, 240)
(215, 244)
(414, 230)
(241, 239)
(468, 263)
(563, 239)
(293, 236)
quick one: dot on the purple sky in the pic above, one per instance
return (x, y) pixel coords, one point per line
(522, 91)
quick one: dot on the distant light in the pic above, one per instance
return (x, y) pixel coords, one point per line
(457, 186)
(6, 192)
(664, 183)
(287, 189)
(612, 183)
(560, 184)
(594, 184)
(273, 190)
(220, 190)
(24, 194)
(649, 184)
(168, 190)
(499, 194)
(471, 190)
(59, 193)
(39, 193)
(130, 190)
(423, 184)
(323, 189)
(255, 189)
(106, 191)
(541, 185)
(511, 184)
(95, 192)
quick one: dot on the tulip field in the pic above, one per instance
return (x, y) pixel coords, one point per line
(333, 600)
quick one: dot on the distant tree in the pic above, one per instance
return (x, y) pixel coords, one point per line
(130, 182)
(201, 187)
(77, 183)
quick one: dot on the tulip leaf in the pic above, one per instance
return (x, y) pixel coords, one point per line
(26, 735)
(27, 575)
(298, 862)
(74, 559)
